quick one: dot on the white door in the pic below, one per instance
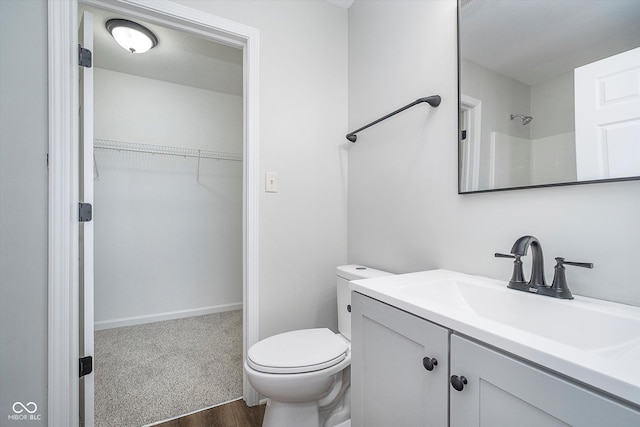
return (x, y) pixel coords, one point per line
(607, 102)
(85, 38)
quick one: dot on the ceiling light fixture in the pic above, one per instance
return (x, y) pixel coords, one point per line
(132, 36)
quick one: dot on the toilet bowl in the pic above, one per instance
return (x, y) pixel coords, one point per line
(305, 374)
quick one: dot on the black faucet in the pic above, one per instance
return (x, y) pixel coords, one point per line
(537, 267)
(559, 288)
(519, 250)
(537, 283)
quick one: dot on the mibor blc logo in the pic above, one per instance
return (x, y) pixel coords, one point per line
(24, 412)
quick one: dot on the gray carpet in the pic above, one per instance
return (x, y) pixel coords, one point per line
(156, 371)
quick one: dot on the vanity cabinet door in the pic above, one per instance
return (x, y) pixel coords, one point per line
(394, 378)
(503, 391)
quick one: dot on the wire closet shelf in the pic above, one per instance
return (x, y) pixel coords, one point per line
(165, 150)
(162, 150)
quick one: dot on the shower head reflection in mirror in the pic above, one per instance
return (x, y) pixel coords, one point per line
(525, 119)
(581, 90)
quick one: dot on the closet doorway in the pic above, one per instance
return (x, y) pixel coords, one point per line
(168, 221)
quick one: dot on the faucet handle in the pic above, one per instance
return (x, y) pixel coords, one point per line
(497, 255)
(559, 286)
(517, 277)
(561, 261)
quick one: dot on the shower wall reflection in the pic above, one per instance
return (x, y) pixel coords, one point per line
(513, 155)
(521, 122)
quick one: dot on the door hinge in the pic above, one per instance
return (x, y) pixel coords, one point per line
(84, 57)
(85, 212)
(86, 366)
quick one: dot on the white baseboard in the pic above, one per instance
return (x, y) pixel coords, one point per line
(139, 320)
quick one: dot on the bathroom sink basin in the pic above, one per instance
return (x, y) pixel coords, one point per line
(574, 323)
(596, 342)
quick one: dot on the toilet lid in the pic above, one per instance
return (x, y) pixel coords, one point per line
(295, 352)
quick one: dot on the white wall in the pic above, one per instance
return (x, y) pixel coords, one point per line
(23, 209)
(149, 111)
(554, 148)
(165, 243)
(553, 159)
(545, 149)
(404, 210)
(552, 106)
(303, 112)
(501, 96)
(510, 164)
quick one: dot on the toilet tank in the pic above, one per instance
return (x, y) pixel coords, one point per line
(346, 273)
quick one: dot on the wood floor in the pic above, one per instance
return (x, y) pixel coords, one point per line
(232, 414)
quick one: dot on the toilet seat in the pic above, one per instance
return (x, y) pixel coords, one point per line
(294, 352)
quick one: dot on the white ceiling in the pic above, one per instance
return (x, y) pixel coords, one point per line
(535, 40)
(528, 40)
(178, 58)
(346, 4)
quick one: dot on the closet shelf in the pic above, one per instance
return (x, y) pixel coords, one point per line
(165, 150)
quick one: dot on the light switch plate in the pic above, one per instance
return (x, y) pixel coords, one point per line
(271, 182)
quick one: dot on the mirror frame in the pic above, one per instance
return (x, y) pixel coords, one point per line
(525, 187)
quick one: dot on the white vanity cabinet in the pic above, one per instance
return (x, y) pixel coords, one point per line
(504, 391)
(391, 387)
(390, 383)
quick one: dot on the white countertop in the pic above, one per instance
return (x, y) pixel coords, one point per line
(592, 341)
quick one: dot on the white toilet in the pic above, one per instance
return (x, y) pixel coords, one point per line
(306, 374)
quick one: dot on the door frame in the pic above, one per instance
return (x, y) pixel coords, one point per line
(471, 108)
(63, 247)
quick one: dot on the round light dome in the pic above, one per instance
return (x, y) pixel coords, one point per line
(131, 36)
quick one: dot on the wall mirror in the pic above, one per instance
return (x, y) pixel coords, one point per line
(549, 92)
